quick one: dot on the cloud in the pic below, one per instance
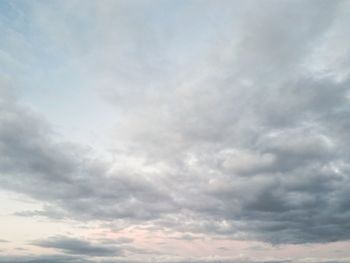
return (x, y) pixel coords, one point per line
(48, 213)
(119, 240)
(256, 143)
(59, 259)
(43, 259)
(33, 162)
(247, 140)
(78, 247)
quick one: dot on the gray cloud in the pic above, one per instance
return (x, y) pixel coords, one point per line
(79, 247)
(59, 259)
(259, 144)
(43, 259)
(248, 141)
(119, 240)
(226, 260)
(33, 162)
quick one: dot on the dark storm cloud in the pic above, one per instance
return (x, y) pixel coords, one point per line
(249, 142)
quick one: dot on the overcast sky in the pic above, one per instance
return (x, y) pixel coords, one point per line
(174, 131)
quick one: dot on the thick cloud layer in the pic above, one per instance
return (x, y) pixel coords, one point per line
(248, 140)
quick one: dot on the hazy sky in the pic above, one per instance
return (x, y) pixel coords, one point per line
(174, 131)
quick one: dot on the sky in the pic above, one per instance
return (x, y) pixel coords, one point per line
(174, 131)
